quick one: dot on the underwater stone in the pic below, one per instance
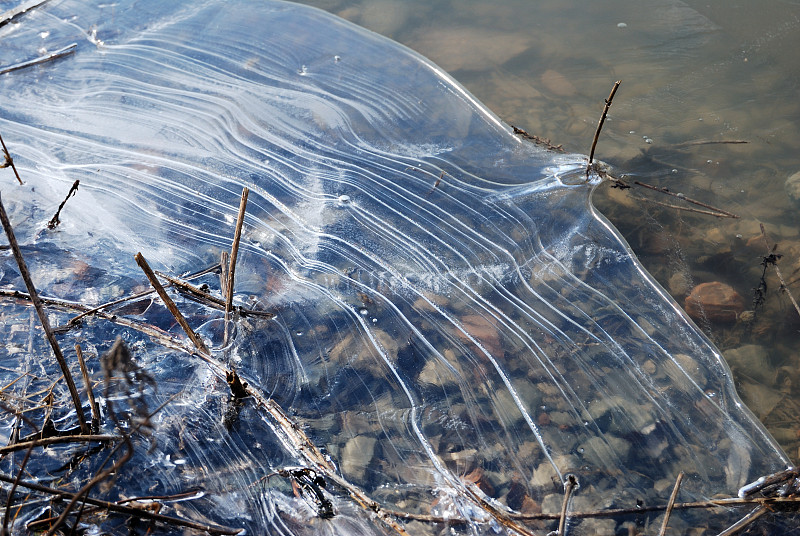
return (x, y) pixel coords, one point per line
(716, 302)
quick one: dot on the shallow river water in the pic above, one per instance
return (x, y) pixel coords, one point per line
(692, 72)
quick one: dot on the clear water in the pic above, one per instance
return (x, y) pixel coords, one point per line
(691, 71)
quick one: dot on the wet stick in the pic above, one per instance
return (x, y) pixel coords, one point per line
(8, 160)
(37, 304)
(140, 260)
(232, 267)
(671, 504)
(55, 220)
(88, 383)
(600, 124)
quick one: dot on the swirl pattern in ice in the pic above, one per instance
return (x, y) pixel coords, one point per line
(456, 329)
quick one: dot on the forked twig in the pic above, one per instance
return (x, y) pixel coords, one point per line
(200, 295)
(55, 220)
(37, 304)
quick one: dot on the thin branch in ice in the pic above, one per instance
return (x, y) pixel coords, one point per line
(37, 304)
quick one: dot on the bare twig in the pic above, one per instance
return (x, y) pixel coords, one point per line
(89, 311)
(135, 512)
(47, 441)
(745, 521)
(196, 340)
(671, 504)
(163, 338)
(234, 253)
(9, 501)
(37, 304)
(224, 264)
(569, 485)
(436, 184)
(8, 161)
(667, 191)
(709, 142)
(13, 13)
(546, 143)
(600, 124)
(55, 220)
(88, 383)
(712, 503)
(60, 53)
(686, 209)
(207, 299)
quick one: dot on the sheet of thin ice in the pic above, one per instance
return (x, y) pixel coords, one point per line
(451, 311)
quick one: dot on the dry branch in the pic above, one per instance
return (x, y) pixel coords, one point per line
(671, 504)
(88, 383)
(569, 485)
(11, 14)
(47, 441)
(234, 253)
(8, 161)
(685, 209)
(600, 123)
(55, 220)
(37, 304)
(93, 310)
(667, 191)
(121, 509)
(66, 51)
(200, 295)
(196, 340)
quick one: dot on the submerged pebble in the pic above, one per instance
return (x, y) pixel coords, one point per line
(715, 302)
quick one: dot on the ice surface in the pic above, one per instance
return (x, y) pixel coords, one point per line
(457, 329)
